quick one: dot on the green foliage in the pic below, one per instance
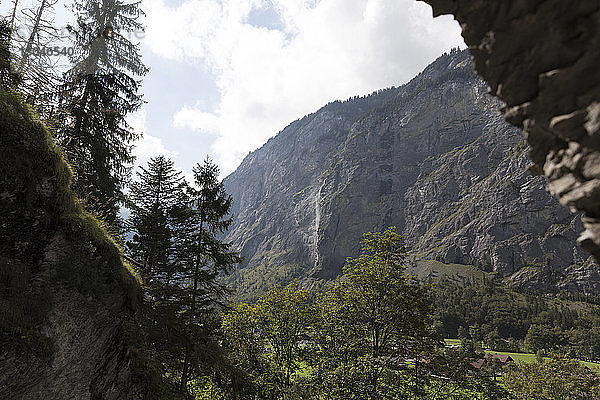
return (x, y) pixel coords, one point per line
(367, 335)
(204, 388)
(370, 318)
(544, 337)
(284, 316)
(553, 379)
(508, 321)
(242, 338)
(252, 282)
(265, 339)
(98, 92)
(467, 374)
(378, 299)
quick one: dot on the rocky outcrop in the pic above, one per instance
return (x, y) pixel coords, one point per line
(66, 298)
(433, 158)
(541, 58)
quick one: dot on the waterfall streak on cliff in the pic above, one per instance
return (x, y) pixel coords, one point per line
(317, 222)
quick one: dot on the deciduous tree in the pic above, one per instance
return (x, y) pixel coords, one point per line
(382, 315)
(556, 378)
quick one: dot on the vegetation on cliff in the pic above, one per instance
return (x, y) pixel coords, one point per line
(51, 245)
(39, 209)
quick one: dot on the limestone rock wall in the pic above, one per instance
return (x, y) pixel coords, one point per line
(542, 58)
(434, 158)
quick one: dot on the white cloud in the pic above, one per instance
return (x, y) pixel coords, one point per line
(137, 120)
(148, 146)
(326, 50)
(195, 119)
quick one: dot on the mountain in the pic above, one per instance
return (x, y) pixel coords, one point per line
(433, 158)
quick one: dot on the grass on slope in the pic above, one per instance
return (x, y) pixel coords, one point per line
(425, 269)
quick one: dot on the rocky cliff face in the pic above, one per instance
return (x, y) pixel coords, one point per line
(434, 158)
(541, 58)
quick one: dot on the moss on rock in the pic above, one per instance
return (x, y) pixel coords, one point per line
(67, 299)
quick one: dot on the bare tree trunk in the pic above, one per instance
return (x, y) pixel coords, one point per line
(186, 361)
(12, 17)
(34, 30)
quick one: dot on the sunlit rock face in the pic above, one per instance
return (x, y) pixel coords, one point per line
(433, 158)
(542, 59)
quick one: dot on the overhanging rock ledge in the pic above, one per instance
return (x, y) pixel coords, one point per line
(542, 58)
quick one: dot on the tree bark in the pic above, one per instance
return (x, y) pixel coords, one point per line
(34, 30)
(186, 361)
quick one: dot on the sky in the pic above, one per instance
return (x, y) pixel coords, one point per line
(226, 75)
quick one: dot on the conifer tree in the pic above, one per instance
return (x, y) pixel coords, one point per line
(175, 240)
(154, 197)
(157, 199)
(204, 257)
(100, 90)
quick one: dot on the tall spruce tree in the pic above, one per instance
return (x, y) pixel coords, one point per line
(99, 91)
(154, 198)
(175, 240)
(204, 257)
(157, 200)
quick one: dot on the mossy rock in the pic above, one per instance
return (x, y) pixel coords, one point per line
(51, 245)
(37, 205)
